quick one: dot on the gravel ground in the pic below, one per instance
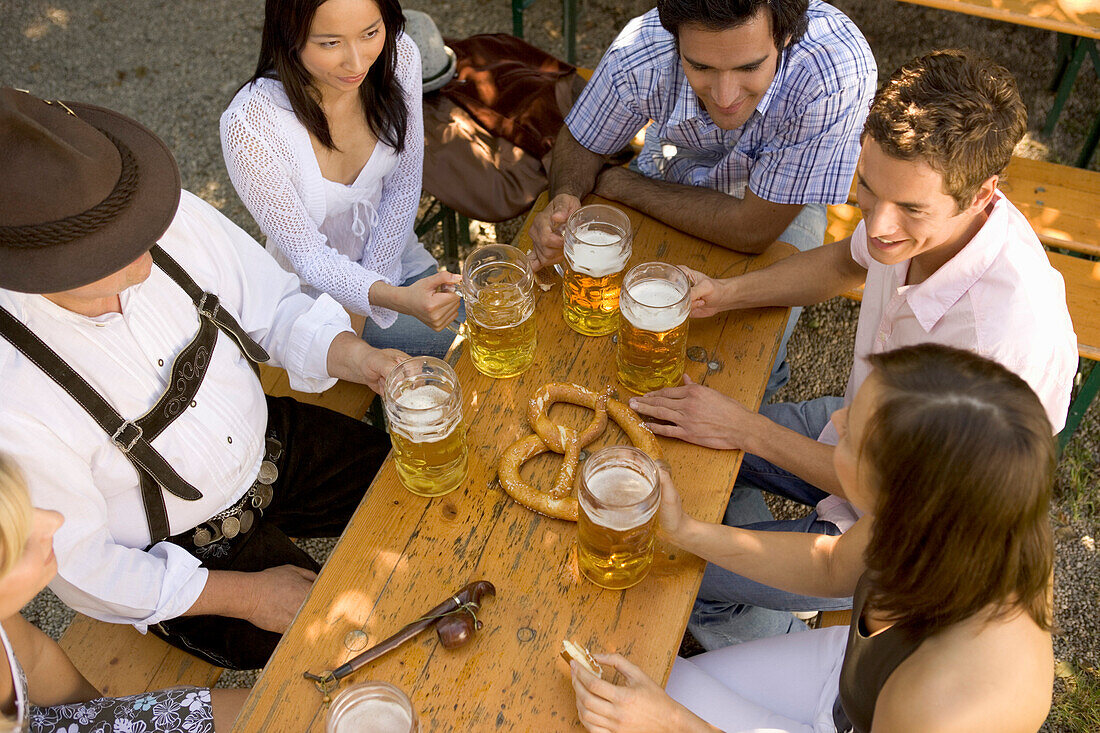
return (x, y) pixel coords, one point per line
(175, 65)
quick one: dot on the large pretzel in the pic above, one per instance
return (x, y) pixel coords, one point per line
(559, 501)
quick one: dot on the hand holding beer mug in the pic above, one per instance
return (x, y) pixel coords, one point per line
(653, 329)
(618, 497)
(424, 405)
(372, 706)
(498, 285)
(597, 248)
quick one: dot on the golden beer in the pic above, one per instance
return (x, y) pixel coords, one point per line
(424, 407)
(597, 248)
(591, 304)
(616, 525)
(502, 332)
(654, 326)
(430, 467)
(498, 286)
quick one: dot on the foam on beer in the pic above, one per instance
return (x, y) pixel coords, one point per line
(647, 305)
(423, 420)
(620, 485)
(591, 251)
(382, 716)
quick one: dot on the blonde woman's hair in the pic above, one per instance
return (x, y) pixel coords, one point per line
(16, 514)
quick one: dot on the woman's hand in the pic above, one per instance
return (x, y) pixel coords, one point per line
(433, 300)
(671, 512)
(638, 706)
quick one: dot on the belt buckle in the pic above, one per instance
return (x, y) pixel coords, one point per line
(121, 442)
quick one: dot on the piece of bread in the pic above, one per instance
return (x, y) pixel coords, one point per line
(571, 650)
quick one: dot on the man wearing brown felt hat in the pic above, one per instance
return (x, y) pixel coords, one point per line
(133, 316)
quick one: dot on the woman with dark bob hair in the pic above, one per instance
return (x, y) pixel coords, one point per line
(950, 458)
(325, 146)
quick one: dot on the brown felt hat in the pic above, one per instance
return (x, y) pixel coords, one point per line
(84, 191)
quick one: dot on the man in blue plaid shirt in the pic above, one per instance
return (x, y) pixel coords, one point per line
(757, 108)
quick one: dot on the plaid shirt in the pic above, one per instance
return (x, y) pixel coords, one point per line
(800, 145)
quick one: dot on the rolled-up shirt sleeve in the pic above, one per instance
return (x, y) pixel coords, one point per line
(144, 587)
(294, 328)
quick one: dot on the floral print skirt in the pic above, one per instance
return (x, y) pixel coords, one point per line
(176, 710)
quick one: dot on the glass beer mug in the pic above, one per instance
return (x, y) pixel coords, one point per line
(617, 522)
(423, 403)
(597, 247)
(372, 706)
(498, 286)
(653, 328)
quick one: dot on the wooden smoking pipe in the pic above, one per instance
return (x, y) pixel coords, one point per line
(454, 620)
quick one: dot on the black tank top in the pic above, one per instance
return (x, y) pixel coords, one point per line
(868, 663)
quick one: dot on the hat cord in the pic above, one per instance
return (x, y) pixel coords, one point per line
(63, 231)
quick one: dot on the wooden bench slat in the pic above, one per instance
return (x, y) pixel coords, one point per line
(120, 661)
(1083, 297)
(835, 618)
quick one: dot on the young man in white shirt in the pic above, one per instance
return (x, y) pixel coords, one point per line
(756, 108)
(179, 481)
(945, 258)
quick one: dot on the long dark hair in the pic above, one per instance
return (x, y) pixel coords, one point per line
(962, 452)
(286, 29)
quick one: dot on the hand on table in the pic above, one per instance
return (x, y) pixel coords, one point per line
(696, 414)
(546, 230)
(638, 706)
(433, 300)
(707, 295)
(278, 593)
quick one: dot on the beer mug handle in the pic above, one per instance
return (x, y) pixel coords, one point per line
(560, 270)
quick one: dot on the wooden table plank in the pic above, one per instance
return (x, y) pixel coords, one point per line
(402, 554)
(1075, 17)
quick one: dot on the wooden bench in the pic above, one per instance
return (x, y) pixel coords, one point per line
(1062, 204)
(119, 660)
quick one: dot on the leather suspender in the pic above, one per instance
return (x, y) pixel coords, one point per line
(209, 307)
(188, 370)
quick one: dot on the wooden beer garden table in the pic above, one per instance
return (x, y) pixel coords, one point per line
(402, 554)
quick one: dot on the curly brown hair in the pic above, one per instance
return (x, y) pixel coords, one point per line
(954, 109)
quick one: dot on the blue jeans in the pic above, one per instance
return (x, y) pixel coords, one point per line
(409, 333)
(805, 232)
(730, 607)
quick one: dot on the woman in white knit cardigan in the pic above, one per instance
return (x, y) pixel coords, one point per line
(325, 146)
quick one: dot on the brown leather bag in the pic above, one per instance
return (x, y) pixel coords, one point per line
(488, 129)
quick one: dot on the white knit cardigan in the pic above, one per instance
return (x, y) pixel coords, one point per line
(275, 171)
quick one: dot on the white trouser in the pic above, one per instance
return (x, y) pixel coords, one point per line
(784, 683)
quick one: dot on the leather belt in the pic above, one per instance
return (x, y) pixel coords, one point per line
(240, 517)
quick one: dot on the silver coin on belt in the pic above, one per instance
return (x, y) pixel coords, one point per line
(239, 518)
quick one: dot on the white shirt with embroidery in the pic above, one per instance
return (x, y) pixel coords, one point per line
(340, 239)
(216, 444)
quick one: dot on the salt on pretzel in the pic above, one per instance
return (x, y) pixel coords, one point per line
(559, 501)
